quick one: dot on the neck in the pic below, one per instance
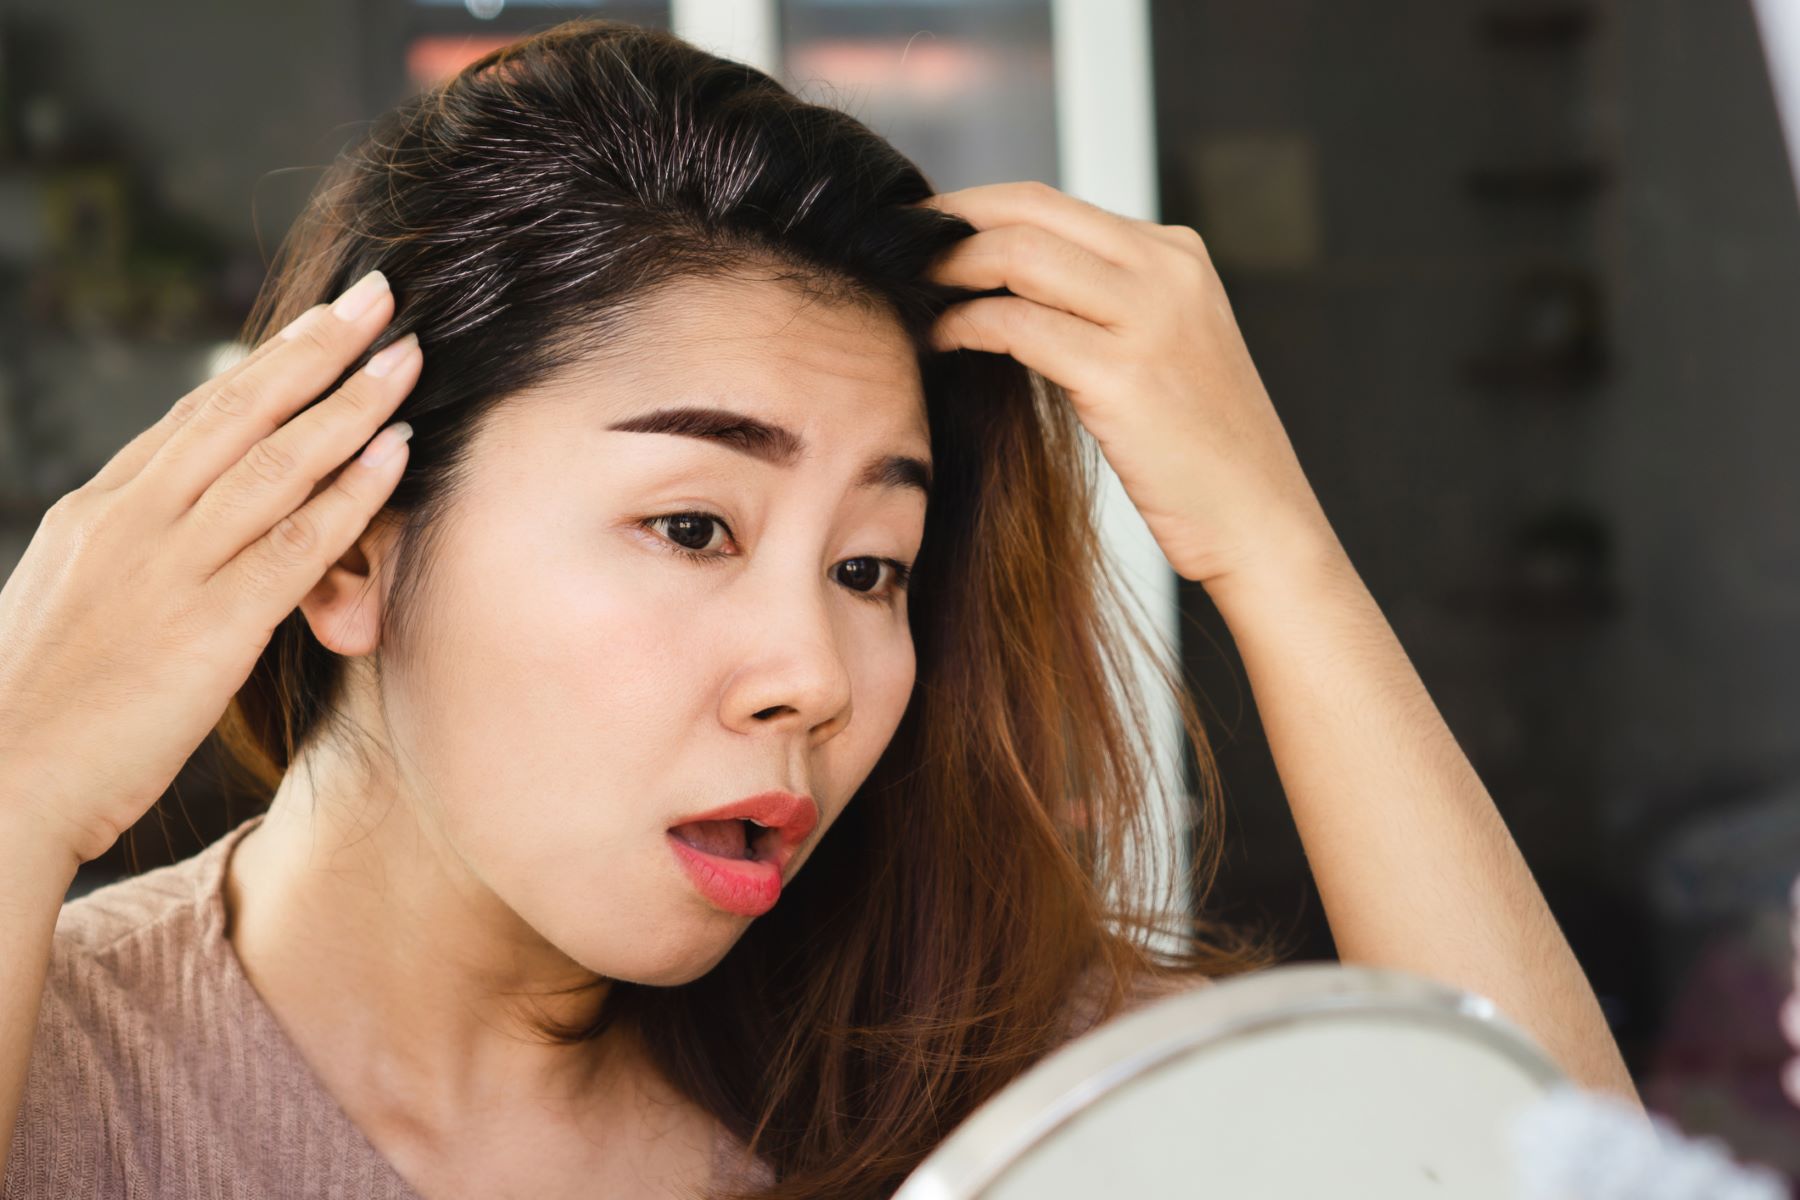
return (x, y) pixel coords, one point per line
(393, 966)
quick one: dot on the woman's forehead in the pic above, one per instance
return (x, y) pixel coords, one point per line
(833, 375)
(763, 347)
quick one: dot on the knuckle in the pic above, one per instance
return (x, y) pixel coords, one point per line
(1187, 235)
(68, 509)
(1034, 241)
(79, 517)
(1015, 319)
(186, 407)
(296, 535)
(358, 395)
(1071, 254)
(270, 462)
(1190, 271)
(234, 398)
(1022, 246)
(317, 336)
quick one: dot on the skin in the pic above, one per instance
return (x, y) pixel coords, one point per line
(385, 908)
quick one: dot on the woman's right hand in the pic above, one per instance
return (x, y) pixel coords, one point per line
(146, 595)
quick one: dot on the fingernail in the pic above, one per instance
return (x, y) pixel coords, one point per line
(385, 443)
(392, 356)
(364, 292)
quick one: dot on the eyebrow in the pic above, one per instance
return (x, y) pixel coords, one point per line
(775, 444)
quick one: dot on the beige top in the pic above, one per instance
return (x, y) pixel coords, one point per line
(157, 1070)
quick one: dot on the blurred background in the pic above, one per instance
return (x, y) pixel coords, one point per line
(1523, 279)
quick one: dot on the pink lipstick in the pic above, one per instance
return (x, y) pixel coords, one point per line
(734, 854)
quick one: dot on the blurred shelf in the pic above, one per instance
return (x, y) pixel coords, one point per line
(1556, 572)
(1554, 182)
(1576, 605)
(1537, 26)
(1550, 334)
(1551, 373)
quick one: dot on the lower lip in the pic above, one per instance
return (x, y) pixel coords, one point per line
(738, 885)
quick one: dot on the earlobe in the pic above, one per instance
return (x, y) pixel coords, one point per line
(344, 608)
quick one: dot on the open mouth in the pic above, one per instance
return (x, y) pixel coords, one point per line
(736, 864)
(741, 839)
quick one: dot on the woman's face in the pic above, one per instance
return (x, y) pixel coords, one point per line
(577, 685)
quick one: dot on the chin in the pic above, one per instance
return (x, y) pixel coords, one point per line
(677, 953)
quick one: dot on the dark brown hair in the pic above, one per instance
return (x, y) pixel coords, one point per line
(930, 949)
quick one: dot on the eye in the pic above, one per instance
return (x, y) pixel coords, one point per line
(690, 534)
(867, 576)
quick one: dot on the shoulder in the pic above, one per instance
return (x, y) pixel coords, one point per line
(133, 939)
(734, 1165)
(128, 976)
(94, 924)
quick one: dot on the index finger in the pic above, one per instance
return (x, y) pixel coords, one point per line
(1105, 233)
(241, 411)
(131, 457)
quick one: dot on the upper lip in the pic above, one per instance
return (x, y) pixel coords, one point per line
(789, 815)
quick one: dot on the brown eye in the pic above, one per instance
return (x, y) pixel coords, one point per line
(690, 534)
(867, 570)
(689, 531)
(862, 574)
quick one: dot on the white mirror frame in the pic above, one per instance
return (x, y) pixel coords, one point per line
(1044, 1099)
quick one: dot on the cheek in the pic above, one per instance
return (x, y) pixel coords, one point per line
(882, 678)
(551, 669)
(559, 699)
(893, 678)
(616, 669)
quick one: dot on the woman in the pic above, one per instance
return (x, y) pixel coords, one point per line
(745, 469)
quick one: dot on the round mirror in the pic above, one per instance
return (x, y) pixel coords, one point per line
(1299, 1081)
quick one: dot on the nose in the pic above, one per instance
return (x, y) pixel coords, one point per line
(792, 672)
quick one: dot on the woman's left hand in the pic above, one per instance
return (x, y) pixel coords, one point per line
(1131, 319)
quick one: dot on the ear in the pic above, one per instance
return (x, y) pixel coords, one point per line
(344, 608)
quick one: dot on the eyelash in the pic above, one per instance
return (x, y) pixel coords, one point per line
(900, 573)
